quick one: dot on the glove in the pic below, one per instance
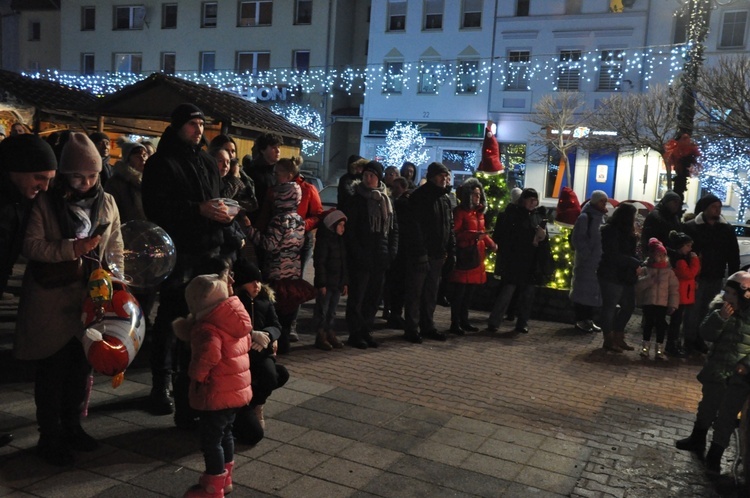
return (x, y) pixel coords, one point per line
(260, 339)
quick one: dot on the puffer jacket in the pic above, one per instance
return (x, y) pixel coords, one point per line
(687, 270)
(433, 214)
(658, 287)
(329, 258)
(716, 245)
(220, 365)
(731, 343)
(470, 231)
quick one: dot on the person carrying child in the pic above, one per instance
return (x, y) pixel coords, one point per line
(658, 291)
(686, 265)
(331, 278)
(218, 328)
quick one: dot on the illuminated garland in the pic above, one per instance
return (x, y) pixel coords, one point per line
(306, 117)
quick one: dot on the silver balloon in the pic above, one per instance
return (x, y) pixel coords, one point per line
(149, 254)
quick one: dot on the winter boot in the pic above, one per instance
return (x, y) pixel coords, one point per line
(209, 486)
(660, 352)
(645, 349)
(259, 414)
(609, 343)
(333, 340)
(695, 442)
(228, 487)
(713, 459)
(321, 341)
(619, 339)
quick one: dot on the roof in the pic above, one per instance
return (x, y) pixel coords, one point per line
(156, 96)
(45, 95)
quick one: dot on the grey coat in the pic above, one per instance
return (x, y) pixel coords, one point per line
(587, 243)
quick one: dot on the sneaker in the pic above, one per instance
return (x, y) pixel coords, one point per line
(584, 325)
(521, 330)
(645, 347)
(413, 336)
(660, 352)
(160, 403)
(435, 335)
(595, 327)
(469, 327)
(293, 336)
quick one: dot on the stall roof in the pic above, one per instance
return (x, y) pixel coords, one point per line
(155, 97)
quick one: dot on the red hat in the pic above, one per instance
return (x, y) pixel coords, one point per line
(568, 207)
(655, 246)
(490, 154)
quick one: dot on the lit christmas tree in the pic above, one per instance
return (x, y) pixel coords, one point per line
(304, 116)
(403, 143)
(498, 196)
(726, 165)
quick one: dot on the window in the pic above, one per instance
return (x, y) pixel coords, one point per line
(471, 14)
(303, 12)
(169, 16)
(208, 62)
(517, 71)
(396, 15)
(127, 63)
(301, 60)
(554, 157)
(393, 81)
(88, 18)
(253, 62)
(129, 17)
(87, 64)
(168, 62)
(35, 31)
(257, 13)
(522, 8)
(513, 157)
(568, 71)
(573, 6)
(610, 70)
(433, 14)
(431, 75)
(209, 12)
(466, 77)
(681, 27)
(733, 27)
(461, 163)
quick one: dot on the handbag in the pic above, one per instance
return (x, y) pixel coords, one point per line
(467, 258)
(60, 274)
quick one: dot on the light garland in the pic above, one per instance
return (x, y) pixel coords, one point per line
(306, 117)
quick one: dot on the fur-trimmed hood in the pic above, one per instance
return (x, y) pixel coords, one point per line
(464, 194)
(699, 220)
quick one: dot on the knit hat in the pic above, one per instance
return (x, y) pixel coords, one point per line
(435, 169)
(184, 113)
(204, 292)
(740, 281)
(527, 193)
(332, 218)
(129, 147)
(375, 168)
(353, 159)
(568, 207)
(598, 195)
(704, 202)
(245, 272)
(98, 136)
(79, 155)
(678, 239)
(655, 246)
(515, 194)
(27, 154)
(671, 196)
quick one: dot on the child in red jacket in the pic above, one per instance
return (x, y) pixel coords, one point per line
(218, 328)
(686, 265)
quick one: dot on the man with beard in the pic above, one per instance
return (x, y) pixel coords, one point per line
(715, 242)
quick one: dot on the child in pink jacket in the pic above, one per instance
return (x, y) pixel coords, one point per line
(218, 328)
(658, 291)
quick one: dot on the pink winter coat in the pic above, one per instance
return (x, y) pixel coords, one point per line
(658, 287)
(220, 364)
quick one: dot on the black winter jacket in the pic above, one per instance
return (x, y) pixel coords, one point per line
(519, 260)
(329, 258)
(619, 261)
(367, 249)
(263, 317)
(433, 217)
(14, 213)
(716, 245)
(659, 223)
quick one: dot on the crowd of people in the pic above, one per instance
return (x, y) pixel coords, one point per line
(244, 232)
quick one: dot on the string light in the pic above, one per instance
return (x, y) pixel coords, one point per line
(725, 168)
(304, 116)
(403, 142)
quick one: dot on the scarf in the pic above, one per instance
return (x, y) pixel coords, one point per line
(379, 209)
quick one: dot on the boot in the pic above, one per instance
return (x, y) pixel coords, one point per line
(259, 414)
(713, 459)
(228, 486)
(456, 329)
(321, 341)
(619, 340)
(333, 340)
(645, 348)
(695, 442)
(209, 486)
(356, 341)
(660, 352)
(159, 400)
(609, 343)
(369, 339)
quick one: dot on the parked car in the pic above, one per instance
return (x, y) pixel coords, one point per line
(329, 196)
(312, 179)
(743, 239)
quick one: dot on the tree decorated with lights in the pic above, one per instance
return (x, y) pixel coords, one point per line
(726, 167)
(404, 142)
(497, 194)
(304, 116)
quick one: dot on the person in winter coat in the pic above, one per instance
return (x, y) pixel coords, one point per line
(469, 272)
(715, 242)
(658, 291)
(687, 267)
(664, 218)
(282, 242)
(587, 243)
(724, 375)
(218, 329)
(371, 243)
(523, 244)
(409, 172)
(260, 166)
(618, 273)
(331, 278)
(349, 180)
(62, 252)
(267, 375)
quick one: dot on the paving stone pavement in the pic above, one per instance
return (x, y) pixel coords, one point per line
(544, 414)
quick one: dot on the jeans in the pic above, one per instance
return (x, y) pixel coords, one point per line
(675, 323)
(523, 305)
(614, 319)
(217, 443)
(704, 293)
(365, 291)
(307, 250)
(420, 298)
(654, 317)
(324, 312)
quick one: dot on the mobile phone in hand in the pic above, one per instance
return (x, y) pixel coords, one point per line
(99, 229)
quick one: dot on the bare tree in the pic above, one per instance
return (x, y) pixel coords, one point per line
(559, 115)
(723, 95)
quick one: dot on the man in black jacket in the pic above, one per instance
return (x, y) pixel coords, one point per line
(27, 166)
(179, 182)
(433, 244)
